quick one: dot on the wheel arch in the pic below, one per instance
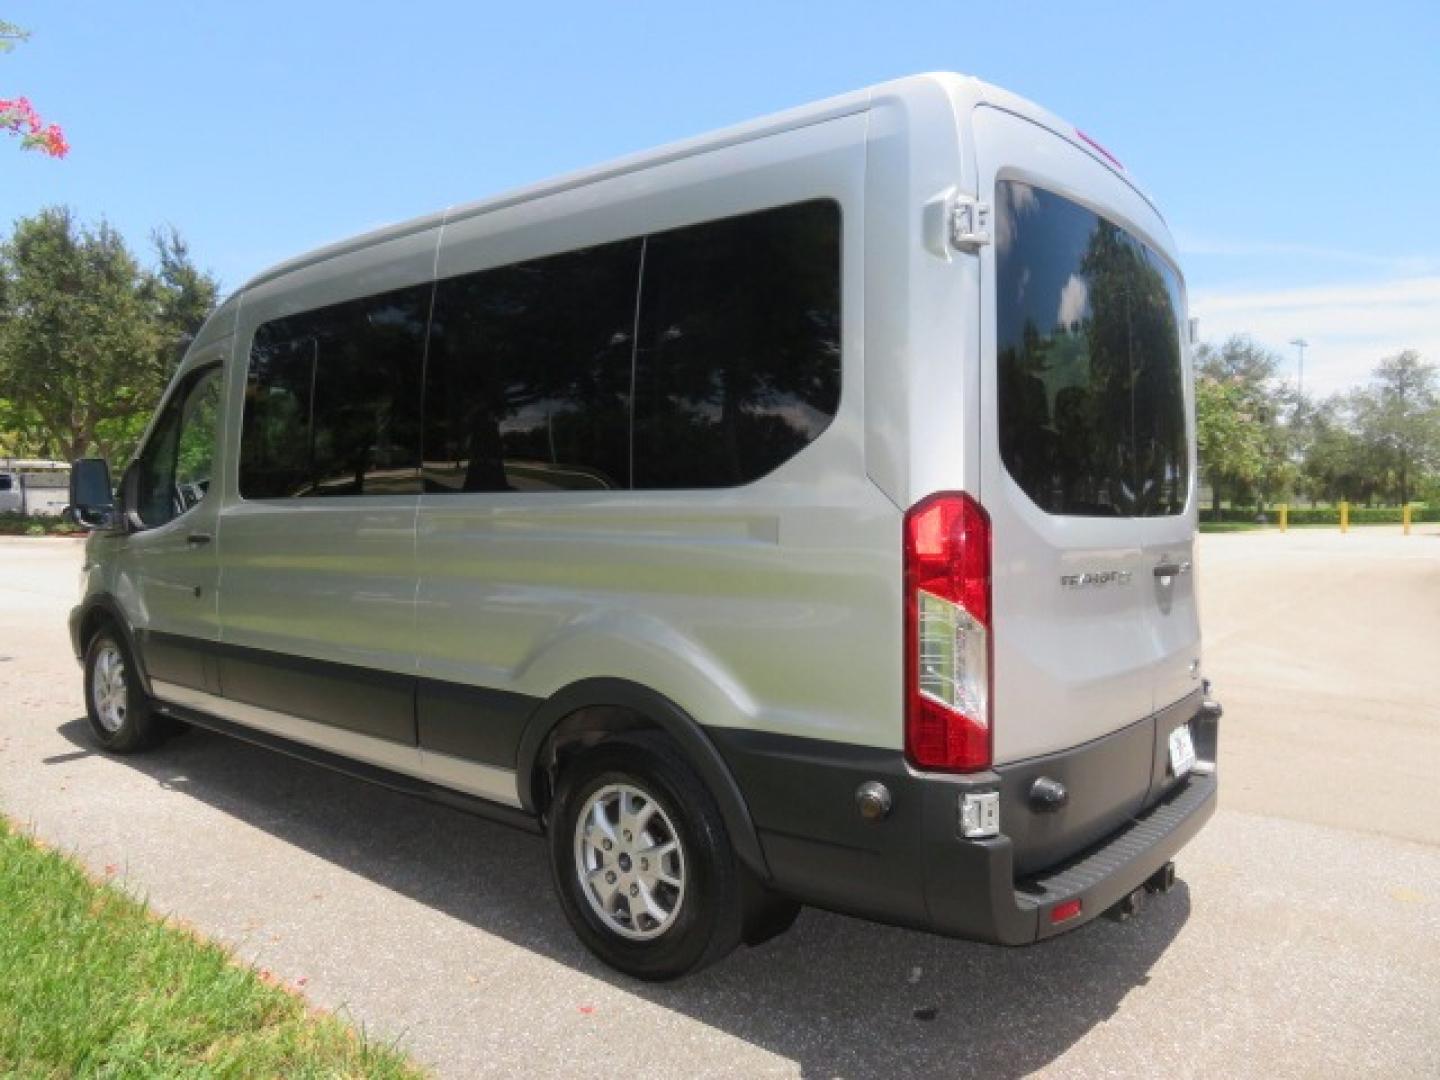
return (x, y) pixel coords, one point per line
(605, 707)
(97, 611)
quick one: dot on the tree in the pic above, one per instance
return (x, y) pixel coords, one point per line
(88, 337)
(1242, 447)
(1399, 418)
(1334, 465)
(1239, 360)
(1280, 461)
(18, 116)
(183, 294)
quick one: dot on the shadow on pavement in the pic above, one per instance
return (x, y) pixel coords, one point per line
(838, 996)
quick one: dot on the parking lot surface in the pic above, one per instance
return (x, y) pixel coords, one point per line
(1303, 940)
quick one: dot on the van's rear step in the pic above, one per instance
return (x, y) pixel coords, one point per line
(1106, 873)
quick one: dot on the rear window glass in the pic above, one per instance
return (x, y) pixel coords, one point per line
(1091, 384)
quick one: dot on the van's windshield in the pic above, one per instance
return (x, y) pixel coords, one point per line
(1091, 385)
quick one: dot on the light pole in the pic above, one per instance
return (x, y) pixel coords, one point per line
(1301, 345)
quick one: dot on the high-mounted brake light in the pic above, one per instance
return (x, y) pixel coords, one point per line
(947, 634)
(1088, 141)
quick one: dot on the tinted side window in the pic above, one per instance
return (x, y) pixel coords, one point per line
(1091, 400)
(174, 469)
(195, 455)
(332, 402)
(738, 365)
(528, 385)
(155, 467)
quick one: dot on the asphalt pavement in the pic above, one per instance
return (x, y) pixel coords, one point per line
(1303, 939)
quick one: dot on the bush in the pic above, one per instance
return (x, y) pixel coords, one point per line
(13, 524)
(1326, 515)
(1240, 515)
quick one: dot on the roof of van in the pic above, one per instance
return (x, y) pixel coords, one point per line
(959, 86)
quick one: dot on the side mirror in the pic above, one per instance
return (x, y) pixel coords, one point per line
(92, 498)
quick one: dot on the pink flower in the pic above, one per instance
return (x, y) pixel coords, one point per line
(56, 146)
(18, 117)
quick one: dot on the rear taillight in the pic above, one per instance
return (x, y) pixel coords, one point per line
(947, 634)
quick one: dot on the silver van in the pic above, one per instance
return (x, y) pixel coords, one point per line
(800, 514)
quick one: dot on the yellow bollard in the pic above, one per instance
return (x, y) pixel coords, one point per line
(1344, 516)
(1284, 516)
(1405, 518)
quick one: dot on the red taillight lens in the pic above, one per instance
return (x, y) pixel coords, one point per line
(947, 634)
(1065, 911)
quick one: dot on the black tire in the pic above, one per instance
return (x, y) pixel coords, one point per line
(134, 726)
(707, 922)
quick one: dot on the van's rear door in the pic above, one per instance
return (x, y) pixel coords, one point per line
(1073, 299)
(1165, 437)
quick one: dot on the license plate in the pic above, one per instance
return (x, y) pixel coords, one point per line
(1182, 750)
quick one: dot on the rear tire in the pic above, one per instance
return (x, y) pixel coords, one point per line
(642, 862)
(122, 717)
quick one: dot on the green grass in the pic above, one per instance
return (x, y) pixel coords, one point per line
(94, 984)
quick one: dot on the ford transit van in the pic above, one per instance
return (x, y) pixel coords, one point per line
(800, 514)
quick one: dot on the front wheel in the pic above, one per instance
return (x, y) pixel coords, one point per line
(120, 713)
(642, 861)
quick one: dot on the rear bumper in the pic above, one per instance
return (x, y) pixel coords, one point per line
(975, 894)
(914, 868)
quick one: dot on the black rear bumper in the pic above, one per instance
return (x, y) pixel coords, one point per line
(914, 868)
(1103, 876)
(976, 895)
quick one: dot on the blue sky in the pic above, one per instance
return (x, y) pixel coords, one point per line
(1294, 147)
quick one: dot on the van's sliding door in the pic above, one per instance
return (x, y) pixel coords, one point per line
(317, 546)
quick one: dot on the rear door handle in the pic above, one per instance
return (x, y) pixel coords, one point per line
(1171, 569)
(198, 538)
